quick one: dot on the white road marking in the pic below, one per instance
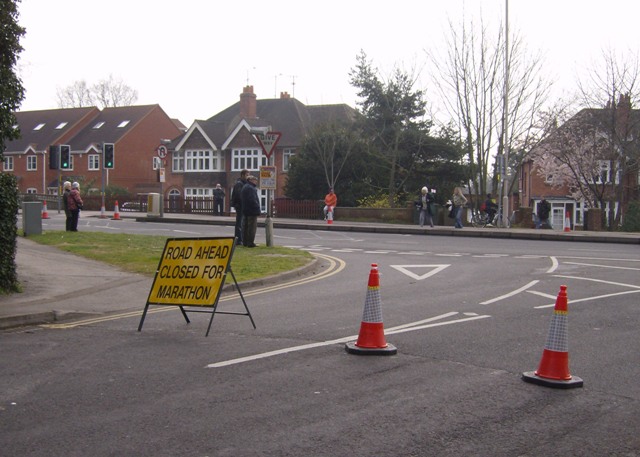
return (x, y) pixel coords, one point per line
(602, 266)
(599, 280)
(542, 294)
(554, 265)
(592, 298)
(511, 294)
(394, 330)
(434, 270)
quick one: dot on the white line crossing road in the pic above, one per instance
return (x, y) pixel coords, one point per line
(435, 321)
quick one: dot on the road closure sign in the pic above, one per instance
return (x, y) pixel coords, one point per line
(191, 271)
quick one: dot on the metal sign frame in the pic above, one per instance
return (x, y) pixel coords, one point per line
(191, 273)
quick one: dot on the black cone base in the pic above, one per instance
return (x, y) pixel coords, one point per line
(351, 348)
(533, 378)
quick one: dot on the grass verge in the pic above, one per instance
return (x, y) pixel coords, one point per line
(141, 253)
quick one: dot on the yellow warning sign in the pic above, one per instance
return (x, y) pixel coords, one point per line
(191, 271)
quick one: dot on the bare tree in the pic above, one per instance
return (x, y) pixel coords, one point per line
(76, 95)
(471, 82)
(594, 154)
(613, 87)
(114, 92)
(106, 93)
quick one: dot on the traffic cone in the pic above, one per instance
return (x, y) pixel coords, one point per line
(553, 370)
(45, 213)
(116, 213)
(567, 223)
(102, 214)
(371, 340)
(330, 215)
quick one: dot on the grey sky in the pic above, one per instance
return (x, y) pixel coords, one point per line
(194, 56)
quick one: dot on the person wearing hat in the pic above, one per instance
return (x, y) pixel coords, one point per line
(330, 202)
(250, 211)
(218, 200)
(65, 195)
(74, 202)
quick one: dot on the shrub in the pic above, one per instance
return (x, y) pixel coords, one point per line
(632, 217)
(8, 233)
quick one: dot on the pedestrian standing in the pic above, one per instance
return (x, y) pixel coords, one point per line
(218, 200)
(330, 202)
(250, 212)
(544, 210)
(236, 202)
(426, 205)
(75, 205)
(459, 200)
(65, 195)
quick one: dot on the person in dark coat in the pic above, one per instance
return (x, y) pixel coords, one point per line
(426, 206)
(250, 212)
(236, 202)
(218, 200)
(65, 203)
(544, 210)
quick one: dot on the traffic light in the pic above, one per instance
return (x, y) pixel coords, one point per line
(65, 157)
(108, 152)
(54, 157)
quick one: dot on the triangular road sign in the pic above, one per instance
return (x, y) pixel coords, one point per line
(269, 142)
(434, 269)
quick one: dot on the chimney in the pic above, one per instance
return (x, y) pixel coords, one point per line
(285, 95)
(623, 111)
(248, 105)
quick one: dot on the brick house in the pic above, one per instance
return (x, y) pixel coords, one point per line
(136, 132)
(214, 151)
(589, 130)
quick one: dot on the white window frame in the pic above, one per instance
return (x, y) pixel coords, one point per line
(199, 160)
(286, 157)
(177, 161)
(32, 190)
(8, 164)
(250, 159)
(94, 162)
(198, 192)
(32, 163)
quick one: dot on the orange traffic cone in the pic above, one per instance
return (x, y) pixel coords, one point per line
(45, 213)
(371, 340)
(116, 213)
(567, 223)
(102, 214)
(553, 370)
(330, 215)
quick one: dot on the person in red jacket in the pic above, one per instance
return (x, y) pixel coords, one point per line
(74, 203)
(330, 202)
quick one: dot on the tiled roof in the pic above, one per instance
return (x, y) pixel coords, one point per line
(53, 124)
(111, 125)
(286, 115)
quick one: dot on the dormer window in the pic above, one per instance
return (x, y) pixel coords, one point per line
(98, 125)
(61, 125)
(123, 124)
(39, 126)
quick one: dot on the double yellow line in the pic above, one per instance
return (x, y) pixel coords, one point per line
(335, 266)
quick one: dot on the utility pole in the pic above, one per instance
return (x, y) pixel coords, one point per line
(505, 175)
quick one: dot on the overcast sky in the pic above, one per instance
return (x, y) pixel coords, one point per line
(193, 57)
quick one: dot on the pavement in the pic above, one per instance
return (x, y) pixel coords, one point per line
(58, 286)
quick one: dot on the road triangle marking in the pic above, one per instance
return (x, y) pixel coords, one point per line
(434, 270)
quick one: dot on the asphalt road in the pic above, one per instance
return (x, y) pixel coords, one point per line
(467, 315)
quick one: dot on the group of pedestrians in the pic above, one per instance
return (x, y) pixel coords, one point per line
(246, 202)
(72, 203)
